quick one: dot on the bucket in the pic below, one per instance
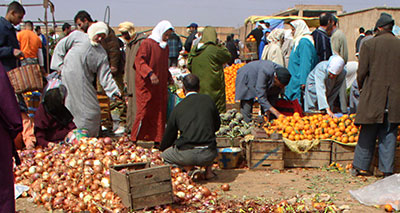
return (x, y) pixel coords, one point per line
(228, 158)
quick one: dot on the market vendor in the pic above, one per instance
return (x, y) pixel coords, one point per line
(196, 118)
(53, 120)
(323, 85)
(261, 79)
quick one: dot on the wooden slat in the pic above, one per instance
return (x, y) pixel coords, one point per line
(267, 164)
(227, 142)
(272, 156)
(266, 146)
(119, 180)
(150, 175)
(342, 148)
(151, 189)
(308, 156)
(153, 200)
(342, 156)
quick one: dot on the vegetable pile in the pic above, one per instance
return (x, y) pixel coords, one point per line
(233, 125)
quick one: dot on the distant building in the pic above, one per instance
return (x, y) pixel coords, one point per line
(350, 22)
(310, 10)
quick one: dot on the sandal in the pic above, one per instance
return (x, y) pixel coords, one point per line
(211, 178)
(194, 173)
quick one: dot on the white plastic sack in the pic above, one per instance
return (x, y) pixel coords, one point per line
(19, 189)
(385, 191)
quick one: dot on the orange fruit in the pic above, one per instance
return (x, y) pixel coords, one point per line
(388, 208)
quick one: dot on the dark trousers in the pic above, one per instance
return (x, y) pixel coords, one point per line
(386, 134)
(173, 61)
(189, 157)
(246, 108)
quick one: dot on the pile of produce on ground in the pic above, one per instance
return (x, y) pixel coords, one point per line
(76, 178)
(233, 125)
(230, 79)
(317, 126)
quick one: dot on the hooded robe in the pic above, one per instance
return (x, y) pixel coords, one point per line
(206, 61)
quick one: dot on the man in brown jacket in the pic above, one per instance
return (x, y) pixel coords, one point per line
(112, 46)
(133, 41)
(378, 112)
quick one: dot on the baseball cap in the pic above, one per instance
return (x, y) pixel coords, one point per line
(193, 25)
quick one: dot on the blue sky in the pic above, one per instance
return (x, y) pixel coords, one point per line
(182, 12)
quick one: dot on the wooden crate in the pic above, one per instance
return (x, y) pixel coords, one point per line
(342, 154)
(249, 51)
(228, 142)
(142, 187)
(316, 157)
(235, 105)
(104, 103)
(265, 154)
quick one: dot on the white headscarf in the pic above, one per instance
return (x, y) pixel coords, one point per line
(301, 31)
(97, 28)
(335, 64)
(276, 36)
(158, 32)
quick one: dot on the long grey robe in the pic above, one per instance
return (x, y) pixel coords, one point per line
(79, 63)
(321, 91)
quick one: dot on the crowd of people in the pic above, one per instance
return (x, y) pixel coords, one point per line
(301, 66)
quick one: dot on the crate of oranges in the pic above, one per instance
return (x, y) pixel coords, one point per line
(250, 49)
(317, 126)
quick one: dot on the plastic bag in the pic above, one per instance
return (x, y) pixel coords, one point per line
(19, 189)
(385, 191)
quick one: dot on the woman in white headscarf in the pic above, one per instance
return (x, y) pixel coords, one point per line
(303, 59)
(80, 59)
(273, 51)
(152, 78)
(323, 85)
(287, 45)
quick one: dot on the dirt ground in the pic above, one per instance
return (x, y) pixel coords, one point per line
(274, 186)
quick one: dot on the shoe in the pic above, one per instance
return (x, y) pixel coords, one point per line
(120, 130)
(387, 174)
(354, 172)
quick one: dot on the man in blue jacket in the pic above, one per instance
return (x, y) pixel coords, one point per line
(263, 80)
(9, 47)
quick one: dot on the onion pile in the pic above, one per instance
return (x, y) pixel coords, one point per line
(76, 177)
(188, 192)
